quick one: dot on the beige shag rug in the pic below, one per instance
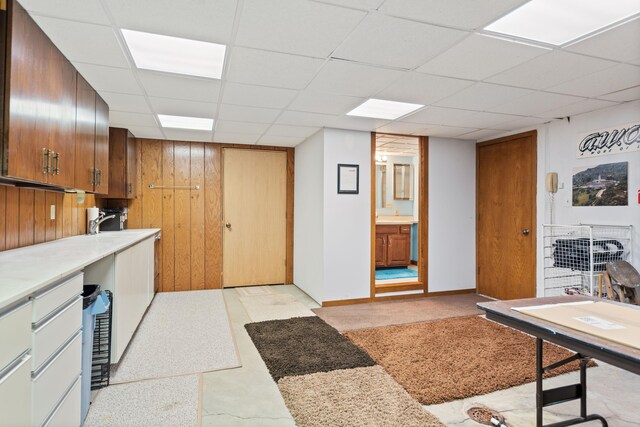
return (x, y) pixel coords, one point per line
(456, 358)
(352, 397)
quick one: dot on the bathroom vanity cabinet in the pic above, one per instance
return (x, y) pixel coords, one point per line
(393, 245)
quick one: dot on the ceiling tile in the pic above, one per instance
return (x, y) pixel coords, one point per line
(395, 42)
(109, 79)
(124, 119)
(358, 123)
(348, 78)
(78, 10)
(480, 135)
(535, 104)
(236, 138)
(613, 44)
(481, 96)
(478, 57)
(188, 135)
(79, 41)
(179, 107)
(280, 141)
(125, 102)
(612, 79)
(458, 118)
(257, 96)
(577, 108)
(467, 14)
(297, 118)
(179, 87)
(146, 132)
(422, 88)
(402, 127)
(550, 69)
(295, 26)
(522, 122)
(626, 95)
(326, 103)
(225, 126)
(259, 67)
(199, 20)
(250, 114)
(449, 131)
(292, 131)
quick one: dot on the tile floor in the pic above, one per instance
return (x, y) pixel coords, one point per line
(247, 396)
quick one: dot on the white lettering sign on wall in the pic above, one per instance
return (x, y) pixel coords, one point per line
(615, 140)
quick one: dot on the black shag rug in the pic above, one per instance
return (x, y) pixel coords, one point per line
(304, 345)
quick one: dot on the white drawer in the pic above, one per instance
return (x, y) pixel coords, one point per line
(15, 333)
(57, 330)
(51, 383)
(67, 414)
(15, 391)
(49, 300)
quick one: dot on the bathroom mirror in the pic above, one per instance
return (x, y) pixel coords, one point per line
(402, 181)
(381, 186)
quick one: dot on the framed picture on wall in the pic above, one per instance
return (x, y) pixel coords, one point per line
(348, 179)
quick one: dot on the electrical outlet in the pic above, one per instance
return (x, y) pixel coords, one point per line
(52, 214)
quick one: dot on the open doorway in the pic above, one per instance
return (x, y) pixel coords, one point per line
(398, 210)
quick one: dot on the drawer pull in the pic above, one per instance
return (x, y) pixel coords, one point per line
(35, 374)
(15, 365)
(51, 317)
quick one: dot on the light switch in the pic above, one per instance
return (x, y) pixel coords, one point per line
(52, 215)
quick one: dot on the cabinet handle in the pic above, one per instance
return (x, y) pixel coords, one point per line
(56, 169)
(130, 188)
(99, 177)
(92, 172)
(45, 161)
(49, 162)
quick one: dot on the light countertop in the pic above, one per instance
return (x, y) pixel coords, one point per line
(25, 270)
(395, 220)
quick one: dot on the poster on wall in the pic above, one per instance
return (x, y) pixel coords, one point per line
(601, 185)
(614, 140)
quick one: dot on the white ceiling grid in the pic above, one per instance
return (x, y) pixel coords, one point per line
(295, 66)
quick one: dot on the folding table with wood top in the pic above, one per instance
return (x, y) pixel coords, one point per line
(605, 330)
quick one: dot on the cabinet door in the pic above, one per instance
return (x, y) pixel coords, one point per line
(131, 166)
(381, 250)
(398, 249)
(117, 163)
(102, 146)
(85, 134)
(62, 77)
(28, 87)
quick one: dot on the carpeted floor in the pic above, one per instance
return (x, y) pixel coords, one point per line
(273, 306)
(395, 273)
(182, 333)
(162, 402)
(352, 397)
(304, 345)
(387, 313)
(456, 358)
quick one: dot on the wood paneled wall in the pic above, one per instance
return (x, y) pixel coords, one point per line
(191, 245)
(25, 213)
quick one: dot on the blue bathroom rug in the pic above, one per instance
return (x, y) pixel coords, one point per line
(396, 273)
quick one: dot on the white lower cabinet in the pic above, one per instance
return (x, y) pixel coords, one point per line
(15, 393)
(15, 333)
(68, 411)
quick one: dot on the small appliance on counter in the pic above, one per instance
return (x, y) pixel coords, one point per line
(118, 222)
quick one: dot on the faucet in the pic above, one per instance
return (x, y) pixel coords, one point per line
(95, 223)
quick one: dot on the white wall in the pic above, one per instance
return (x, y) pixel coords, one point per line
(347, 217)
(452, 206)
(308, 271)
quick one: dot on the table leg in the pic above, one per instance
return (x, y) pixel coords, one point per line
(539, 373)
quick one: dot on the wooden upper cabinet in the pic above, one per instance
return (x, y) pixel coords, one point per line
(102, 146)
(85, 135)
(122, 164)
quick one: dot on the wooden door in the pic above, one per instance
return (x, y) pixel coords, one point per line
(381, 250)
(506, 217)
(254, 212)
(102, 146)
(398, 249)
(85, 135)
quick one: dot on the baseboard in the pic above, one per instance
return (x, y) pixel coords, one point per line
(457, 292)
(414, 262)
(340, 302)
(398, 287)
(399, 297)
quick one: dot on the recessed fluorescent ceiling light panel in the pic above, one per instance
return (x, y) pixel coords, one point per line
(558, 22)
(381, 109)
(182, 122)
(175, 55)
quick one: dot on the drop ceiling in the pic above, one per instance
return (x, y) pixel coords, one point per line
(295, 66)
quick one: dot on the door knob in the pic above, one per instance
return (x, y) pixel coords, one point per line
(525, 231)
(228, 225)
